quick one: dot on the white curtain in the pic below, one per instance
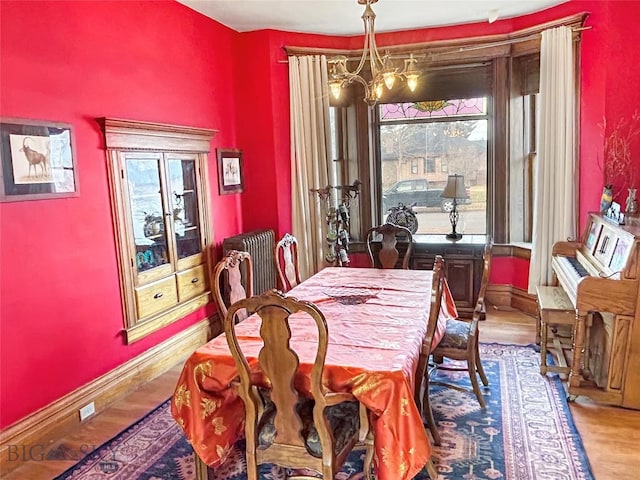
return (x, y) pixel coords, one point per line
(556, 179)
(309, 109)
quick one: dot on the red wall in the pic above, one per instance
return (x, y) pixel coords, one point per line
(60, 313)
(61, 317)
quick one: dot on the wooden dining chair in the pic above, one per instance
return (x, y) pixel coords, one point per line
(461, 339)
(422, 371)
(282, 426)
(227, 281)
(387, 255)
(286, 255)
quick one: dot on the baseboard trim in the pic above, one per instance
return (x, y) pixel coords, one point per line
(41, 427)
(510, 296)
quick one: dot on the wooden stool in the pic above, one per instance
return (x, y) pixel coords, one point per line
(555, 308)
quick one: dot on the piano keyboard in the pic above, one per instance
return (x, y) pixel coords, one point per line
(577, 266)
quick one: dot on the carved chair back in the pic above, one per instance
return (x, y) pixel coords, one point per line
(286, 255)
(388, 255)
(486, 271)
(227, 281)
(422, 371)
(282, 426)
(461, 340)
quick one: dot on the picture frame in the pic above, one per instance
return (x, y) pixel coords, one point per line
(230, 171)
(620, 254)
(592, 236)
(606, 245)
(37, 160)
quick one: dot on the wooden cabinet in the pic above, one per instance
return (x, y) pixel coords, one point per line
(158, 181)
(463, 264)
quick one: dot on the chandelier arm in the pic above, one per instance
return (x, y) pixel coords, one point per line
(368, 91)
(381, 67)
(377, 62)
(363, 59)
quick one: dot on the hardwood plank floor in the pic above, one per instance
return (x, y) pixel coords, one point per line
(610, 435)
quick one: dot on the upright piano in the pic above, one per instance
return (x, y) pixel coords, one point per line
(601, 276)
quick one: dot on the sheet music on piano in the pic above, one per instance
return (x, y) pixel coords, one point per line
(601, 276)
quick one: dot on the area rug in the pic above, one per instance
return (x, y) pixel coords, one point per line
(525, 433)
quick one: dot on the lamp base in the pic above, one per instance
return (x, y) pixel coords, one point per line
(454, 236)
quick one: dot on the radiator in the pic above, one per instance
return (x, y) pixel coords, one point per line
(260, 245)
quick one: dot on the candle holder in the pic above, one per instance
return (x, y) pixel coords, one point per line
(337, 217)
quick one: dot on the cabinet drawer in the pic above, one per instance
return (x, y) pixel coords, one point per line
(423, 262)
(465, 252)
(191, 282)
(156, 297)
(430, 250)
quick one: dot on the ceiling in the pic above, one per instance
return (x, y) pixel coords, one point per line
(342, 17)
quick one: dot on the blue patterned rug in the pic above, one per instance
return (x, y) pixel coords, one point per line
(526, 433)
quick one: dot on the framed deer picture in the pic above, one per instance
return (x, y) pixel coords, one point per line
(36, 160)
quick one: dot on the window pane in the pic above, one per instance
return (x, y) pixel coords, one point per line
(184, 203)
(147, 213)
(433, 109)
(442, 147)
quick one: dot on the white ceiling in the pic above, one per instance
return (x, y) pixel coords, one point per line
(342, 17)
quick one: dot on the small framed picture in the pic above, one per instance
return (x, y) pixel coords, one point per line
(592, 236)
(230, 174)
(37, 160)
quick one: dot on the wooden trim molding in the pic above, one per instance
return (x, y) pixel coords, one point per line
(512, 250)
(43, 425)
(142, 329)
(461, 49)
(135, 135)
(514, 297)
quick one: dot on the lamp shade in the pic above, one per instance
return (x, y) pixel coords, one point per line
(455, 187)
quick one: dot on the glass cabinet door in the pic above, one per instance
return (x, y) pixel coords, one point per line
(143, 176)
(184, 205)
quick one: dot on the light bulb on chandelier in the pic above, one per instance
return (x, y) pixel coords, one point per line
(381, 67)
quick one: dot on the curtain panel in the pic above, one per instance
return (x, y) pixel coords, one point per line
(555, 184)
(309, 110)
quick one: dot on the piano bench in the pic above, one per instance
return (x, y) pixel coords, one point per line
(554, 308)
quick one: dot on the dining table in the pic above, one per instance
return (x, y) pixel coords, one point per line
(377, 321)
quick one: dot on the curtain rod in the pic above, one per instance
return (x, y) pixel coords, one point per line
(459, 49)
(509, 41)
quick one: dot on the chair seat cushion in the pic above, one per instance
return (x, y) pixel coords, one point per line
(344, 421)
(456, 335)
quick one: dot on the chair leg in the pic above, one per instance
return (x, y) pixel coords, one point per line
(427, 413)
(471, 366)
(202, 470)
(252, 466)
(431, 470)
(479, 366)
(368, 456)
(543, 348)
(421, 372)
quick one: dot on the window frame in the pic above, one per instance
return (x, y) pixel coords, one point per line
(361, 138)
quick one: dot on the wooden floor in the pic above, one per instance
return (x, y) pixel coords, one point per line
(610, 435)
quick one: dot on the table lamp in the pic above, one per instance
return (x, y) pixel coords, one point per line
(454, 189)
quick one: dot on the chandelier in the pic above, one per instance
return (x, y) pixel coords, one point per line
(383, 72)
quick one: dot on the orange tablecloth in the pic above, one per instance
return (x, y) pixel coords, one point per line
(377, 321)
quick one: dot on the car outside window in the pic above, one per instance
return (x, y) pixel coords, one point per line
(404, 187)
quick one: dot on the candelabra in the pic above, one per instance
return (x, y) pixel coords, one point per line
(337, 216)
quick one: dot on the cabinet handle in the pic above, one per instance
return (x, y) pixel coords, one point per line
(158, 295)
(195, 280)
